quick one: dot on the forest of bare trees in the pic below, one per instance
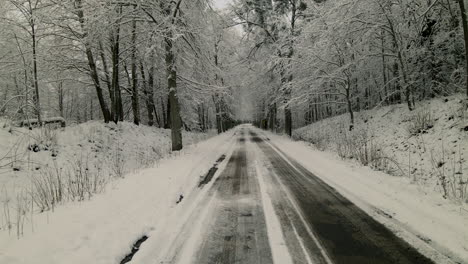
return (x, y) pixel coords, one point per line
(326, 58)
(158, 63)
(183, 65)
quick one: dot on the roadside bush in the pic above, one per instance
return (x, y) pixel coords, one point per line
(360, 146)
(73, 182)
(82, 181)
(48, 188)
(420, 122)
(448, 169)
(319, 139)
(117, 163)
(44, 139)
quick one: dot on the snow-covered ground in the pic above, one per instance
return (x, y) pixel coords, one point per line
(104, 229)
(433, 156)
(93, 152)
(412, 212)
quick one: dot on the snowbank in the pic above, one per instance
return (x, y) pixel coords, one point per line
(104, 152)
(104, 229)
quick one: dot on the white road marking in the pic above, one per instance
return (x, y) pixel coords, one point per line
(278, 245)
(297, 209)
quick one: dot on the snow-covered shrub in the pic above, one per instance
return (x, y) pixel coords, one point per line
(118, 163)
(15, 211)
(83, 181)
(45, 138)
(148, 156)
(22, 211)
(319, 139)
(420, 122)
(48, 187)
(6, 223)
(449, 171)
(74, 181)
(360, 146)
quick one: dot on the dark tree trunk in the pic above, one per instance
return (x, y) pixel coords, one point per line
(135, 96)
(218, 113)
(148, 93)
(461, 3)
(164, 114)
(288, 121)
(272, 122)
(36, 81)
(287, 109)
(176, 120)
(168, 123)
(61, 96)
(350, 108)
(118, 110)
(107, 76)
(92, 64)
(384, 69)
(397, 97)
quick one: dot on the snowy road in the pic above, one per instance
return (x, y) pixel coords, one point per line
(265, 207)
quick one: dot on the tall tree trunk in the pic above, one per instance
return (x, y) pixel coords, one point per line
(118, 111)
(36, 81)
(401, 65)
(151, 92)
(218, 113)
(350, 107)
(384, 69)
(168, 123)
(272, 123)
(60, 97)
(164, 114)
(176, 120)
(397, 97)
(107, 75)
(408, 92)
(461, 3)
(287, 109)
(148, 96)
(288, 121)
(135, 98)
(91, 109)
(92, 63)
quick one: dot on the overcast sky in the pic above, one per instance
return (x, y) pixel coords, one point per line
(221, 3)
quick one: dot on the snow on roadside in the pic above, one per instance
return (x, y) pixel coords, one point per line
(411, 212)
(102, 151)
(104, 229)
(432, 157)
(180, 233)
(100, 144)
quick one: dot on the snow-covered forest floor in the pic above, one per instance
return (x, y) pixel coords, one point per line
(428, 146)
(43, 167)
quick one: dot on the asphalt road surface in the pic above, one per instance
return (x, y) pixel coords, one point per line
(318, 224)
